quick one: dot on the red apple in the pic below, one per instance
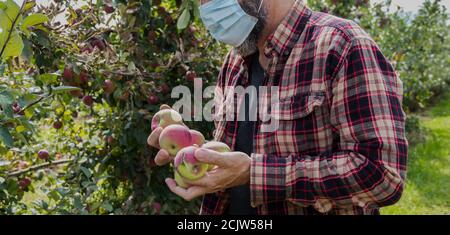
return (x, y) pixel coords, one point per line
(108, 8)
(88, 100)
(84, 77)
(175, 137)
(43, 154)
(57, 125)
(153, 99)
(187, 165)
(24, 183)
(165, 118)
(108, 87)
(197, 138)
(190, 76)
(68, 74)
(76, 93)
(165, 89)
(23, 165)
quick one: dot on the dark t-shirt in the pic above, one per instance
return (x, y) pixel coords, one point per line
(240, 196)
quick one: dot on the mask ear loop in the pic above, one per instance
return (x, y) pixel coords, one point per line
(260, 6)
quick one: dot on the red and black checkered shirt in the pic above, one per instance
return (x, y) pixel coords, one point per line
(340, 147)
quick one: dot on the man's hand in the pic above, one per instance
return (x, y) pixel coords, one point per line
(233, 169)
(162, 157)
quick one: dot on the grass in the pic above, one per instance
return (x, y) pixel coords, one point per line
(427, 189)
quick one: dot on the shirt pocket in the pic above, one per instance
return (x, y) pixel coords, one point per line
(299, 125)
(297, 106)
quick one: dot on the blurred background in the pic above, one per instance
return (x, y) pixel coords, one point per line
(81, 80)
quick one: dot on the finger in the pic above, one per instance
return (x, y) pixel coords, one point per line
(164, 106)
(187, 194)
(211, 157)
(206, 182)
(153, 139)
(162, 158)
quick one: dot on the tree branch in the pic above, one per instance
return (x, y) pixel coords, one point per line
(38, 167)
(33, 103)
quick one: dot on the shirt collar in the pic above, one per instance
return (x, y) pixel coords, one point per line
(288, 32)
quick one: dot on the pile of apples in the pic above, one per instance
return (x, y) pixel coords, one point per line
(181, 143)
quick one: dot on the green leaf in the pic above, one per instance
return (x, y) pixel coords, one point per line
(184, 19)
(107, 206)
(29, 5)
(32, 20)
(196, 9)
(6, 137)
(6, 98)
(12, 9)
(5, 26)
(2, 5)
(62, 89)
(14, 46)
(86, 171)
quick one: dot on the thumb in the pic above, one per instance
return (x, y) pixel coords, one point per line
(210, 157)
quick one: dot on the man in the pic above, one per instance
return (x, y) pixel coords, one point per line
(340, 147)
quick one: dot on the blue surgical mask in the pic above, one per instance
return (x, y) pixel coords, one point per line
(227, 21)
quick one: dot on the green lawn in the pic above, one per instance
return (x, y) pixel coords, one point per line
(428, 180)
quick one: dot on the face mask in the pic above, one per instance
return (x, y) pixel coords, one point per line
(227, 21)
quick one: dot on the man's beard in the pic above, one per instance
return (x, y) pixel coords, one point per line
(250, 45)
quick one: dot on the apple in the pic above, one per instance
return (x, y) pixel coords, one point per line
(165, 89)
(87, 49)
(57, 125)
(23, 165)
(180, 181)
(108, 8)
(88, 100)
(76, 93)
(197, 138)
(191, 75)
(165, 118)
(108, 87)
(24, 183)
(153, 99)
(157, 207)
(174, 138)
(68, 73)
(43, 154)
(99, 44)
(188, 166)
(84, 77)
(218, 147)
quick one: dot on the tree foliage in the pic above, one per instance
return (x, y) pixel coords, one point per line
(85, 89)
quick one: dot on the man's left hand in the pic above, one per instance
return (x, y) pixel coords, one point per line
(233, 169)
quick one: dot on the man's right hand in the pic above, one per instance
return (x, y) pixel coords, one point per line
(163, 157)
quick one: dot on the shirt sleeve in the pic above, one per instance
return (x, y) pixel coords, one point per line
(368, 168)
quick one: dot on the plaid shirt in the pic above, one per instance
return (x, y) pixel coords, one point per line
(340, 147)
